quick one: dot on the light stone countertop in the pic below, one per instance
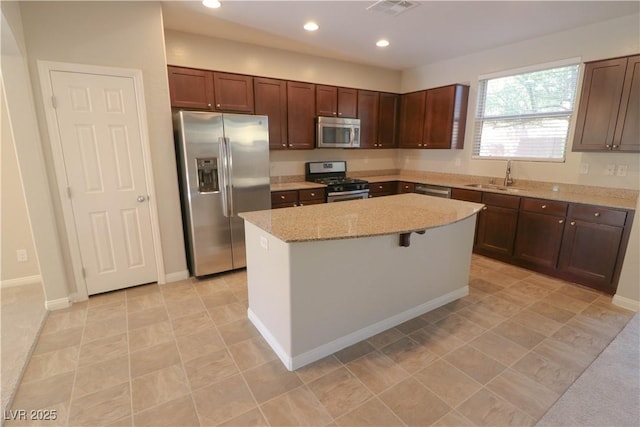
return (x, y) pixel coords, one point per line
(379, 216)
(601, 196)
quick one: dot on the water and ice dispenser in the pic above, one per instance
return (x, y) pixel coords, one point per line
(207, 174)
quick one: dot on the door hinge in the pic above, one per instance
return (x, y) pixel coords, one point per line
(54, 103)
(69, 192)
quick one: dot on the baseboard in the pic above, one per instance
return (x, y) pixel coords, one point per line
(275, 345)
(57, 304)
(20, 281)
(628, 303)
(295, 362)
(177, 276)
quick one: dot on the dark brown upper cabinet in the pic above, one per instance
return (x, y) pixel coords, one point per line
(445, 117)
(233, 92)
(301, 113)
(270, 97)
(210, 90)
(333, 101)
(609, 106)
(412, 119)
(368, 102)
(189, 88)
(388, 116)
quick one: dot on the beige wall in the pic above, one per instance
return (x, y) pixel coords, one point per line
(15, 225)
(604, 40)
(117, 34)
(22, 117)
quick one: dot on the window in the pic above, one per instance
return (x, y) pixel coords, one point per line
(526, 115)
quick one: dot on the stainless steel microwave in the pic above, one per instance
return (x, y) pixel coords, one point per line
(335, 132)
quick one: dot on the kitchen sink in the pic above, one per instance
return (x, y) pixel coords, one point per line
(494, 187)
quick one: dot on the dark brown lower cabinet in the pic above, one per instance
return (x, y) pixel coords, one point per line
(291, 198)
(497, 225)
(539, 238)
(379, 189)
(540, 228)
(593, 246)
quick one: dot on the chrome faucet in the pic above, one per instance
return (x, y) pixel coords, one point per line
(507, 178)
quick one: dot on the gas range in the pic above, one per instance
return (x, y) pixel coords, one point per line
(333, 174)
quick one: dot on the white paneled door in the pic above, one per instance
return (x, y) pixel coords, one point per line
(101, 143)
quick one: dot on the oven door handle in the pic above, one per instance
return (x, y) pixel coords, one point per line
(344, 193)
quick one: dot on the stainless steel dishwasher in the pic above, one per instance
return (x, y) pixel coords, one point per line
(433, 190)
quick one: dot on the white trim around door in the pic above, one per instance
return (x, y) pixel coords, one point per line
(45, 68)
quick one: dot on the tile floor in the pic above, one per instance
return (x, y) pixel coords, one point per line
(183, 354)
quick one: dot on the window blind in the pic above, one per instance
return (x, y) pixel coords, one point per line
(527, 115)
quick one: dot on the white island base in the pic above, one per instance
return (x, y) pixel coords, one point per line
(310, 299)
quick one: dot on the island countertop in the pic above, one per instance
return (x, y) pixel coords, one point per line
(402, 213)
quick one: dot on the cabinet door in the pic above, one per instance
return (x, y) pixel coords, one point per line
(347, 103)
(382, 189)
(368, 115)
(496, 230)
(412, 119)
(233, 92)
(590, 251)
(539, 238)
(388, 120)
(271, 100)
(599, 104)
(627, 136)
(405, 187)
(326, 101)
(466, 195)
(301, 103)
(445, 117)
(190, 88)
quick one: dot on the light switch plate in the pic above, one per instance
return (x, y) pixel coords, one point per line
(264, 242)
(584, 168)
(610, 170)
(621, 170)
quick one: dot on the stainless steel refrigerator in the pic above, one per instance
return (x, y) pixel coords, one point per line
(224, 170)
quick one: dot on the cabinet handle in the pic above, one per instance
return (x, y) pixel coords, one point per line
(608, 146)
(284, 145)
(419, 145)
(544, 206)
(282, 197)
(572, 223)
(217, 105)
(380, 187)
(597, 214)
(484, 208)
(406, 187)
(560, 221)
(209, 105)
(339, 114)
(614, 147)
(313, 194)
(334, 113)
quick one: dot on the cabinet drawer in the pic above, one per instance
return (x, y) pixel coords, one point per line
(502, 200)
(312, 194)
(550, 207)
(466, 195)
(381, 187)
(284, 197)
(406, 187)
(310, 202)
(598, 214)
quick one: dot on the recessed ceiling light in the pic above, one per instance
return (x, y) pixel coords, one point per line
(212, 4)
(311, 26)
(382, 43)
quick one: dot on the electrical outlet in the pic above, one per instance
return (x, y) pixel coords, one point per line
(22, 256)
(621, 170)
(264, 242)
(610, 170)
(584, 168)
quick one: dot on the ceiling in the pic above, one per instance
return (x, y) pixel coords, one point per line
(431, 32)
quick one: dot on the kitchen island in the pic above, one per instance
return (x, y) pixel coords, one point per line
(326, 276)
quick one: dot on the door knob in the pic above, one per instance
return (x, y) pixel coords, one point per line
(141, 199)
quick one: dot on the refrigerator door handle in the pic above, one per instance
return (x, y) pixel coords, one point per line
(229, 170)
(222, 154)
